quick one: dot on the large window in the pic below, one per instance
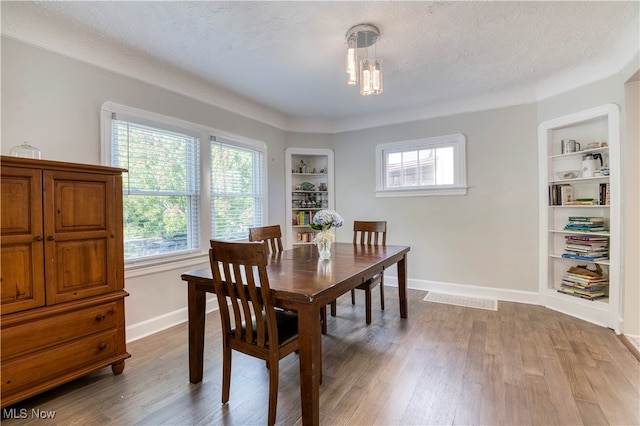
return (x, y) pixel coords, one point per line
(161, 188)
(169, 210)
(236, 190)
(430, 166)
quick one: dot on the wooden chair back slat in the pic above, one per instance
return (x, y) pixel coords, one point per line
(271, 234)
(239, 274)
(370, 232)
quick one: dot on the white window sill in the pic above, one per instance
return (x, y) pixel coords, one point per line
(431, 192)
(138, 268)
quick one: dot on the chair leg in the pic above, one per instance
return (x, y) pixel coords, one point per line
(226, 373)
(353, 297)
(333, 308)
(381, 296)
(323, 319)
(273, 390)
(367, 293)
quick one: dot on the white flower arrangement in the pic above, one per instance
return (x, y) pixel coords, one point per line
(324, 237)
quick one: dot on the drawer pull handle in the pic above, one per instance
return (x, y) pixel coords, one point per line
(51, 238)
(102, 346)
(100, 318)
(39, 238)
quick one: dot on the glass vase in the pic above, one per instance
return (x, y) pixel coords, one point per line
(324, 249)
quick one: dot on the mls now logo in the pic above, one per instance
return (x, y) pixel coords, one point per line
(23, 413)
(14, 413)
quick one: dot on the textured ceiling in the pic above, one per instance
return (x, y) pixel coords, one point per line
(283, 62)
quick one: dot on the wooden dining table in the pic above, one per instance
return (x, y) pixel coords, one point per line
(301, 282)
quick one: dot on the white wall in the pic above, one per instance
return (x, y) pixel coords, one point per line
(483, 243)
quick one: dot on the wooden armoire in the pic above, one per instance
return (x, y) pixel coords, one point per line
(61, 272)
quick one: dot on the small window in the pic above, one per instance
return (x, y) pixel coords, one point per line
(422, 167)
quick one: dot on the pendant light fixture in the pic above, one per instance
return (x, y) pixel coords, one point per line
(362, 69)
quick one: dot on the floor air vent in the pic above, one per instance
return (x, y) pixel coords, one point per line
(468, 302)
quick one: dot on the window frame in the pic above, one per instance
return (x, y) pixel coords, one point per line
(459, 186)
(159, 263)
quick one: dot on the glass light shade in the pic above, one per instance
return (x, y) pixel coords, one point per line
(370, 77)
(352, 66)
(25, 151)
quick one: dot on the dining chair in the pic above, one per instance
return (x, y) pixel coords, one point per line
(368, 233)
(250, 322)
(271, 234)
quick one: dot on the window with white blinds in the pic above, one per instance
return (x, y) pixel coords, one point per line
(184, 185)
(161, 188)
(237, 190)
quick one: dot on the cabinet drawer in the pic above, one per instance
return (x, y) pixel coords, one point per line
(49, 364)
(64, 327)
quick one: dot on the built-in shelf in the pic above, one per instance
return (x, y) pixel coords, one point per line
(306, 166)
(597, 126)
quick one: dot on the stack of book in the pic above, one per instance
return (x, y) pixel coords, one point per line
(585, 224)
(586, 247)
(303, 218)
(585, 283)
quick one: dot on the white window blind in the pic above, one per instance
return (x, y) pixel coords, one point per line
(237, 190)
(161, 188)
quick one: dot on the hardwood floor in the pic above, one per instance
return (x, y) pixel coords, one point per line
(445, 364)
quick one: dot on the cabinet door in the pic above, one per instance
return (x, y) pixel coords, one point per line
(21, 252)
(80, 235)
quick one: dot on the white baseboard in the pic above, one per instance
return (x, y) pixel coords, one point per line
(507, 295)
(162, 322)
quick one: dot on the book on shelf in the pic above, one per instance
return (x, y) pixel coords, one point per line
(604, 195)
(582, 271)
(580, 203)
(566, 194)
(584, 280)
(574, 239)
(592, 258)
(594, 289)
(304, 218)
(560, 194)
(586, 249)
(584, 286)
(586, 245)
(585, 224)
(584, 228)
(587, 252)
(584, 295)
(305, 237)
(586, 219)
